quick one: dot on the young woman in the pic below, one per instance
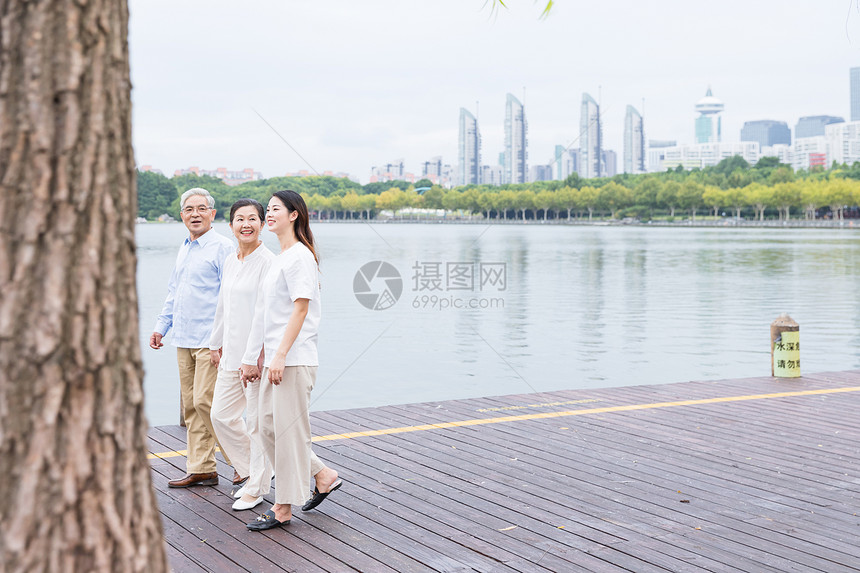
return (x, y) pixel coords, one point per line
(240, 287)
(291, 316)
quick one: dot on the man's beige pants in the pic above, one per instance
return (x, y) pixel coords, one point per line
(197, 383)
(285, 427)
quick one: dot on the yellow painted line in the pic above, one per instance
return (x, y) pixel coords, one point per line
(172, 454)
(565, 413)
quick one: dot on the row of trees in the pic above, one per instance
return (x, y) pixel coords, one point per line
(611, 199)
(731, 189)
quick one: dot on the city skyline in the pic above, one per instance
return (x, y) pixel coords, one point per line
(350, 85)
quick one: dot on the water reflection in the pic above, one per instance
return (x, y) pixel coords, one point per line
(583, 307)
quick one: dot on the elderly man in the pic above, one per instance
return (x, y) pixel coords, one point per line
(192, 296)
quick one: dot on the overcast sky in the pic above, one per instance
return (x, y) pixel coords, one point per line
(351, 84)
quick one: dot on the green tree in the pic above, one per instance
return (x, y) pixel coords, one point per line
(690, 195)
(714, 197)
(736, 197)
(588, 198)
(507, 201)
(451, 201)
(812, 196)
(367, 203)
(760, 197)
(334, 205)
(351, 203)
(615, 197)
(433, 197)
(838, 195)
(392, 200)
(782, 174)
(668, 196)
(646, 191)
(786, 196)
(525, 200)
(486, 201)
(544, 200)
(155, 194)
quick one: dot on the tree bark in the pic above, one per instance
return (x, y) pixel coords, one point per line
(76, 485)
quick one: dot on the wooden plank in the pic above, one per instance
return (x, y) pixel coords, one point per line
(600, 495)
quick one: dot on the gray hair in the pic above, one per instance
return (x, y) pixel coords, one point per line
(197, 191)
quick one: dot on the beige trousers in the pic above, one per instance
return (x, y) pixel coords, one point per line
(240, 437)
(285, 427)
(197, 383)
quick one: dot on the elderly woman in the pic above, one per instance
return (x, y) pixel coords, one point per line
(240, 288)
(291, 316)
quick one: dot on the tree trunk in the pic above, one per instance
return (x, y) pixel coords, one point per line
(76, 485)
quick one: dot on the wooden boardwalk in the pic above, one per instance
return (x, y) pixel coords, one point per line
(752, 475)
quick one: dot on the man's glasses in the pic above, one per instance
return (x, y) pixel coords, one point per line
(202, 209)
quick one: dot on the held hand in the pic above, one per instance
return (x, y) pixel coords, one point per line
(155, 341)
(276, 370)
(215, 357)
(249, 374)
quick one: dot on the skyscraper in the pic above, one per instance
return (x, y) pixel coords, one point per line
(813, 125)
(609, 163)
(855, 94)
(634, 142)
(469, 150)
(516, 143)
(709, 123)
(590, 138)
(766, 132)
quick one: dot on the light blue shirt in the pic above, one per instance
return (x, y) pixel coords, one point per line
(192, 292)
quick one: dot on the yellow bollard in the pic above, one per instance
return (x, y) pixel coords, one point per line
(784, 347)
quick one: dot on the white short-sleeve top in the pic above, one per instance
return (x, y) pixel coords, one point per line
(240, 289)
(293, 274)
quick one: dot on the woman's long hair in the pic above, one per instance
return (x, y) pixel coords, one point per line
(302, 227)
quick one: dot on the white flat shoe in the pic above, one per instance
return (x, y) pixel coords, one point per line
(239, 505)
(239, 492)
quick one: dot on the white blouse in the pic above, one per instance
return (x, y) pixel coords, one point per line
(292, 275)
(240, 291)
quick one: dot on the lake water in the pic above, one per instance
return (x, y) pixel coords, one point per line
(545, 307)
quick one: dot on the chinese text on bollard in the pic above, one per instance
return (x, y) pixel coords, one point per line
(784, 347)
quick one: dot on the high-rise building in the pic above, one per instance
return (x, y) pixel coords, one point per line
(609, 163)
(701, 155)
(516, 142)
(855, 94)
(813, 125)
(766, 132)
(566, 162)
(634, 142)
(469, 150)
(657, 153)
(709, 124)
(809, 152)
(492, 175)
(843, 142)
(432, 167)
(540, 173)
(590, 138)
